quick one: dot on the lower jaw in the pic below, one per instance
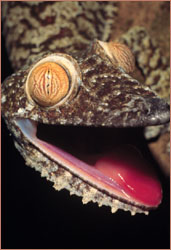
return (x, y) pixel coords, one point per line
(114, 153)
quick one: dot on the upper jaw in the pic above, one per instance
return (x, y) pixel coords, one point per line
(105, 96)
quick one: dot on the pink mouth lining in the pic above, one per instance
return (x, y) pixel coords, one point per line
(123, 173)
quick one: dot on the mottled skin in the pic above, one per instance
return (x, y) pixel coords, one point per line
(56, 27)
(107, 96)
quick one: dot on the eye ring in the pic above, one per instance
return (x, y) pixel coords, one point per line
(53, 80)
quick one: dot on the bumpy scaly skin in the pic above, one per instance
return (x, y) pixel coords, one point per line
(98, 102)
(36, 27)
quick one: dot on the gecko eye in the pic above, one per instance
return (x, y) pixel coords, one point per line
(120, 55)
(48, 84)
(52, 80)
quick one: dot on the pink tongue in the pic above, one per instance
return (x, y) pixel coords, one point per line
(133, 173)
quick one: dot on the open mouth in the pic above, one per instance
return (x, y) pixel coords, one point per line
(109, 159)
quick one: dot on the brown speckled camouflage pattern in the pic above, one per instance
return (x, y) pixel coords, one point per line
(107, 96)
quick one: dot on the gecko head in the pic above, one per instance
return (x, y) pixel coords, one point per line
(91, 89)
(88, 89)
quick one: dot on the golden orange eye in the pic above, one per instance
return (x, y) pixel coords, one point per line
(48, 84)
(52, 81)
(120, 55)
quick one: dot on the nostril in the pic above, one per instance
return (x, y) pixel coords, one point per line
(158, 111)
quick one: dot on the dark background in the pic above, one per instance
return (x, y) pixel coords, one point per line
(34, 215)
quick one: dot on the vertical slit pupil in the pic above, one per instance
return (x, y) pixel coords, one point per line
(48, 85)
